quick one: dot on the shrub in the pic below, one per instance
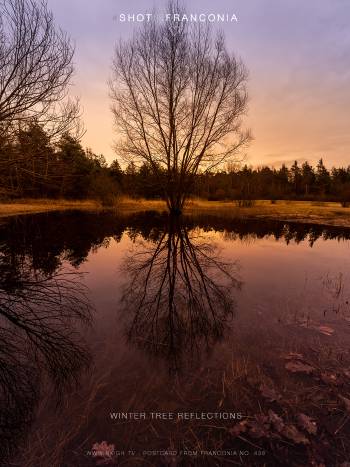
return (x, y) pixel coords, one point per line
(104, 189)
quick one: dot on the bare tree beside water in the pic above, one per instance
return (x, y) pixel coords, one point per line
(178, 100)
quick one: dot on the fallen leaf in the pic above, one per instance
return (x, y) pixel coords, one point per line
(257, 428)
(298, 367)
(260, 428)
(294, 356)
(307, 424)
(276, 421)
(269, 393)
(326, 330)
(239, 428)
(292, 433)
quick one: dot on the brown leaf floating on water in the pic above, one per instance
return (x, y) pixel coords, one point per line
(257, 428)
(269, 393)
(272, 426)
(326, 330)
(276, 421)
(288, 431)
(239, 428)
(292, 433)
(259, 431)
(297, 363)
(299, 367)
(323, 329)
(294, 356)
(260, 428)
(307, 424)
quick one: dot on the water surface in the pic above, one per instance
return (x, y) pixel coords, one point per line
(104, 314)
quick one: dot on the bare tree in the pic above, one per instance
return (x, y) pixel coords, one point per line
(178, 98)
(35, 68)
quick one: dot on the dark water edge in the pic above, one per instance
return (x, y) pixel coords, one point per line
(145, 314)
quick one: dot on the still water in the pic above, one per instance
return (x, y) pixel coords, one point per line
(146, 340)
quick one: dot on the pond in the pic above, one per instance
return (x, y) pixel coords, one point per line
(146, 340)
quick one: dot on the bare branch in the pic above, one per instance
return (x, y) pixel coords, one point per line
(35, 67)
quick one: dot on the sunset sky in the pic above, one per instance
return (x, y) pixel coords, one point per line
(297, 53)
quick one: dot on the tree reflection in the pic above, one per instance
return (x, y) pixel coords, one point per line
(179, 292)
(48, 240)
(38, 339)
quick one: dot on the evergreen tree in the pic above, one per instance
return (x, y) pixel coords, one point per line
(75, 167)
(295, 174)
(323, 179)
(307, 178)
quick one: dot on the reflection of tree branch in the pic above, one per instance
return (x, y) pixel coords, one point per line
(178, 292)
(37, 316)
(43, 309)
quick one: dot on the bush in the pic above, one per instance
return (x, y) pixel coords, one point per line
(344, 194)
(104, 189)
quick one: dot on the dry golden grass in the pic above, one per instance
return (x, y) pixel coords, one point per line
(328, 213)
(29, 206)
(136, 205)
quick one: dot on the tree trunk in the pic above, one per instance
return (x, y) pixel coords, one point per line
(175, 203)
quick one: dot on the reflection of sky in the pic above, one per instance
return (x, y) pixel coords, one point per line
(278, 280)
(298, 54)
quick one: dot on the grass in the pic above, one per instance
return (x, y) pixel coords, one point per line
(31, 206)
(297, 211)
(327, 213)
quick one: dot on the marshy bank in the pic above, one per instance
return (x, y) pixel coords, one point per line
(313, 212)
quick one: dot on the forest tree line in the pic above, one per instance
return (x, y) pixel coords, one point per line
(245, 184)
(33, 166)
